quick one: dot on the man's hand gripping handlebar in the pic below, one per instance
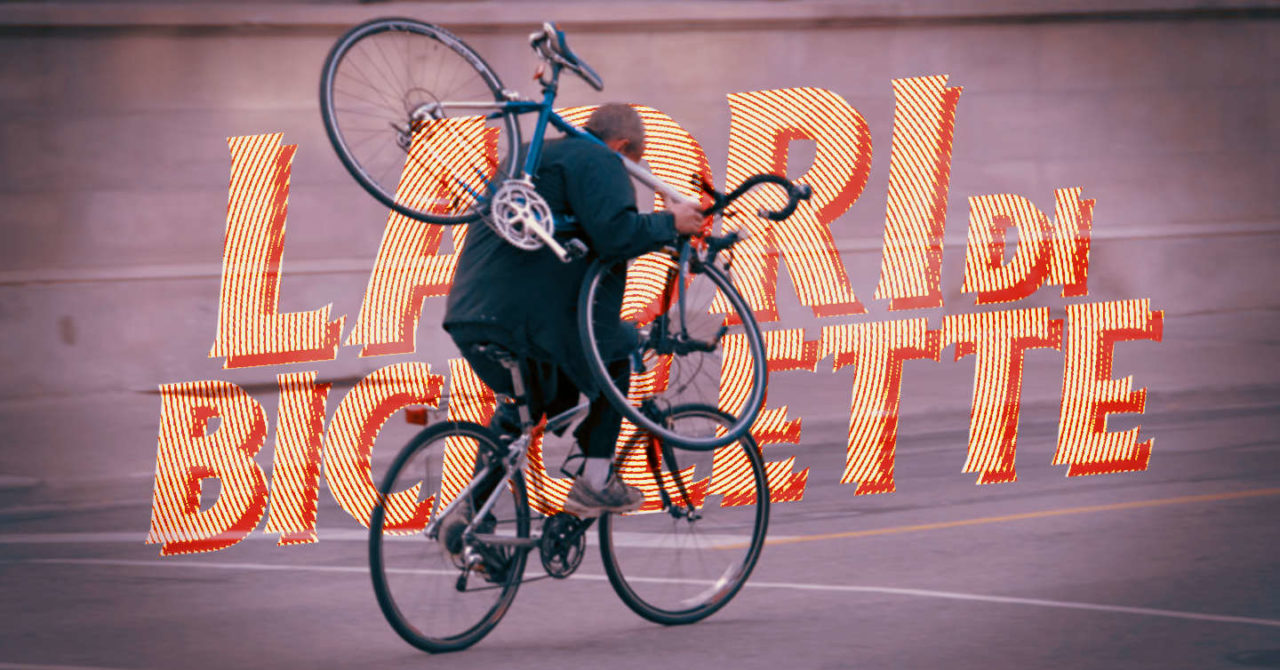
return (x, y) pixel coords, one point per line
(662, 337)
(719, 201)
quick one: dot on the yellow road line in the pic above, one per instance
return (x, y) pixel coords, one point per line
(1254, 493)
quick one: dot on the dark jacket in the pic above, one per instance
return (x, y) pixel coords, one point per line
(527, 301)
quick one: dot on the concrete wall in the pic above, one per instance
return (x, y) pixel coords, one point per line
(114, 169)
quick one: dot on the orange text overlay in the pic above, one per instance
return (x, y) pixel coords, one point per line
(1051, 249)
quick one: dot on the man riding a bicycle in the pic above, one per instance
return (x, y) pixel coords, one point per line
(427, 128)
(526, 302)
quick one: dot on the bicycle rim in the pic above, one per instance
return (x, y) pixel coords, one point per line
(674, 567)
(389, 92)
(415, 577)
(644, 314)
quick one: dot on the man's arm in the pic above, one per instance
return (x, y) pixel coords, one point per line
(601, 195)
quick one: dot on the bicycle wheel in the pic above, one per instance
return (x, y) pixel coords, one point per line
(422, 588)
(682, 563)
(690, 337)
(412, 112)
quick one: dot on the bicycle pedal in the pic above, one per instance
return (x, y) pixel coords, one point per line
(575, 248)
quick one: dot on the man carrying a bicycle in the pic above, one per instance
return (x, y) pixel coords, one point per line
(526, 302)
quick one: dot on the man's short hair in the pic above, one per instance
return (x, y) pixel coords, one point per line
(617, 120)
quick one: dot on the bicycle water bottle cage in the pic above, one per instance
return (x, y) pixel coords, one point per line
(516, 209)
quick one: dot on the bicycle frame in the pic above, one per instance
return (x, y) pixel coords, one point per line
(548, 116)
(514, 460)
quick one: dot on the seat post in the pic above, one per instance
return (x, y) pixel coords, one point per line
(518, 388)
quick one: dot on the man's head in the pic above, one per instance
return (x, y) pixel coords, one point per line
(620, 127)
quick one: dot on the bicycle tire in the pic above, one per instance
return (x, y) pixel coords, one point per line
(692, 377)
(435, 169)
(637, 547)
(447, 619)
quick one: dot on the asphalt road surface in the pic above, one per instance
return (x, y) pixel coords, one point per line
(1175, 567)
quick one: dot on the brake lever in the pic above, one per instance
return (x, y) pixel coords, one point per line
(717, 198)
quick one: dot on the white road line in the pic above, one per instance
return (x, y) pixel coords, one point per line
(647, 540)
(178, 562)
(37, 666)
(830, 588)
(1064, 604)
(140, 537)
(72, 538)
(671, 540)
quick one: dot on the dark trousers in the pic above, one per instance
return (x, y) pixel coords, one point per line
(549, 391)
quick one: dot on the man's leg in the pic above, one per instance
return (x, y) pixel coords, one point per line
(598, 433)
(596, 490)
(505, 423)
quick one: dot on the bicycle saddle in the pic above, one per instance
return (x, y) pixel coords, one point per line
(495, 351)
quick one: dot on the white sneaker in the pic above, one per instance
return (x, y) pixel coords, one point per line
(617, 497)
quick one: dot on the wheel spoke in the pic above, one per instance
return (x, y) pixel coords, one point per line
(416, 577)
(672, 568)
(379, 75)
(677, 371)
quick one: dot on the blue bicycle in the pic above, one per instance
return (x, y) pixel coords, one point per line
(426, 127)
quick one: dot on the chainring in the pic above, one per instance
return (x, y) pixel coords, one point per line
(516, 208)
(563, 544)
